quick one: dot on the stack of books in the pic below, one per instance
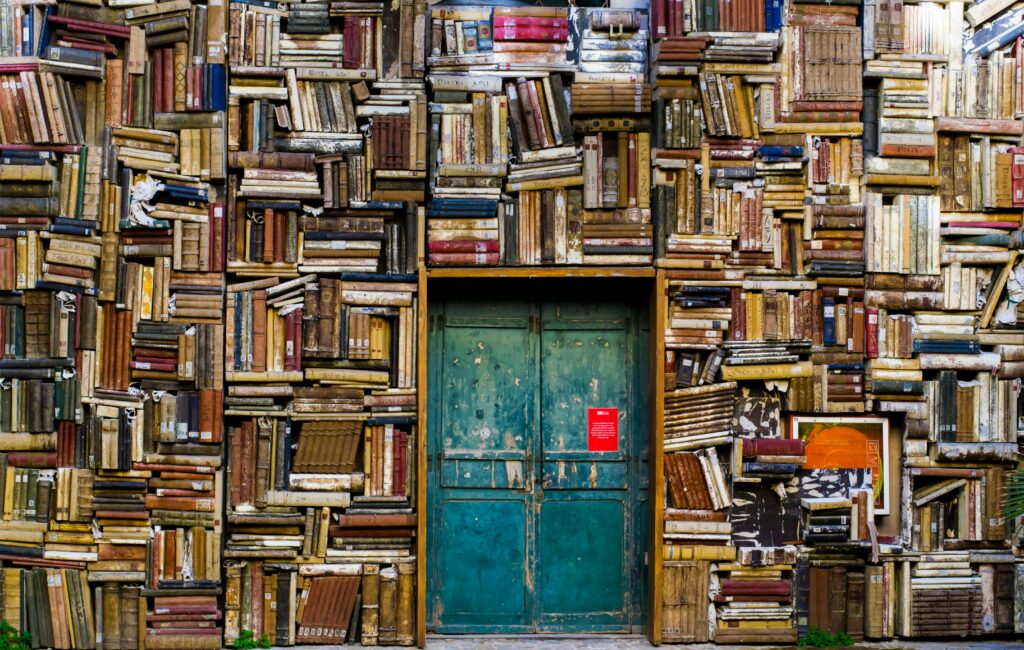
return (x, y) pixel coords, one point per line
(328, 151)
(754, 603)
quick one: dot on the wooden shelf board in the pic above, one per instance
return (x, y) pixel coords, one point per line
(543, 272)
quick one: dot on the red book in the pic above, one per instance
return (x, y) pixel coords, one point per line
(147, 365)
(80, 25)
(32, 459)
(489, 246)
(871, 332)
(83, 44)
(158, 79)
(732, 587)
(557, 34)
(530, 21)
(168, 80)
(462, 259)
(773, 447)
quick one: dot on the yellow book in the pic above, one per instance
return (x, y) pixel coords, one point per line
(545, 183)
(321, 540)
(903, 180)
(643, 174)
(9, 480)
(146, 292)
(768, 371)
(853, 129)
(698, 552)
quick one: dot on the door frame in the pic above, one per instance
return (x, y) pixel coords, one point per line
(640, 279)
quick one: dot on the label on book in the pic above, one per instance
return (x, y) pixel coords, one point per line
(603, 429)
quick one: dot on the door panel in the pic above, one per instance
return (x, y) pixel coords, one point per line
(582, 564)
(484, 543)
(488, 404)
(530, 531)
(583, 574)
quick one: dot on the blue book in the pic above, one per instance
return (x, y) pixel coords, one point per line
(15, 160)
(376, 422)
(995, 34)
(266, 4)
(287, 461)
(81, 223)
(769, 468)
(44, 33)
(846, 366)
(772, 15)
(828, 308)
(60, 286)
(484, 36)
(780, 150)
(64, 229)
(218, 95)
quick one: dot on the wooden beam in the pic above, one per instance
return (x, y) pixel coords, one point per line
(544, 272)
(421, 460)
(656, 382)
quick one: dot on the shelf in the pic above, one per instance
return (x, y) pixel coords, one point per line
(529, 272)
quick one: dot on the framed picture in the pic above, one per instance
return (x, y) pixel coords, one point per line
(848, 443)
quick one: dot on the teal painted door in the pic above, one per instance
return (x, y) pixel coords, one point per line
(529, 530)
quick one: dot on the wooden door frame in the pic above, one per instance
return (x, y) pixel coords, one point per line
(657, 289)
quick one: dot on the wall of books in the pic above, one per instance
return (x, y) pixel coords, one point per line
(840, 189)
(216, 227)
(209, 307)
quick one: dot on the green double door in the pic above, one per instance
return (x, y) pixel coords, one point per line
(537, 466)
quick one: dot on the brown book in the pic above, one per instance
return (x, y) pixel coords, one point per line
(818, 598)
(684, 602)
(328, 611)
(405, 633)
(112, 616)
(327, 336)
(875, 597)
(388, 605)
(263, 452)
(370, 616)
(855, 605)
(259, 331)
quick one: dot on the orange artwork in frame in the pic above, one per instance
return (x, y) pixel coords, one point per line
(847, 443)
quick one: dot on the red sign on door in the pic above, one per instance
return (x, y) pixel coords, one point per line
(602, 429)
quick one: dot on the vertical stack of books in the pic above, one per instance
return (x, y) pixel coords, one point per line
(113, 145)
(327, 153)
(754, 602)
(611, 101)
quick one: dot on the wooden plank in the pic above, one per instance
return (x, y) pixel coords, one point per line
(656, 384)
(544, 272)
(421, 460)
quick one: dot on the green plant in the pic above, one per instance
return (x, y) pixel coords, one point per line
(819, 638)
(246, 641)
(1014, 506)
(12, 639)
